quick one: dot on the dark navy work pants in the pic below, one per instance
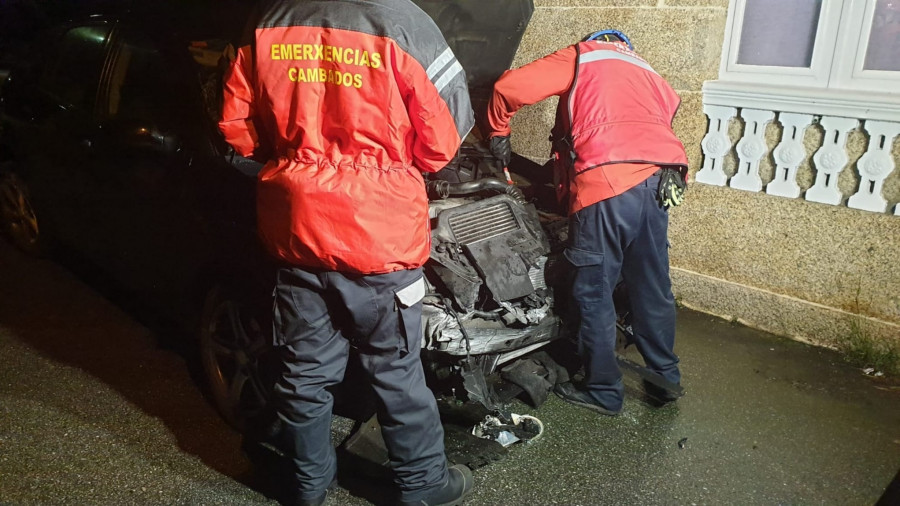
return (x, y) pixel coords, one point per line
(316, 315)
(623, 235)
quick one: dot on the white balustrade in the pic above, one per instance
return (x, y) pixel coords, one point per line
(751, 148)
(716, 144)
(789, 154)
(831, 159)
(874, 166)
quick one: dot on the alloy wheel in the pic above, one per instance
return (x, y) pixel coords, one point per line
(17, 217)
(232, 347)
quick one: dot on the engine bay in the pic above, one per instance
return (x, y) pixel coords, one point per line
(494, 269)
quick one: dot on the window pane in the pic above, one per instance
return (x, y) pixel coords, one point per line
(779, 33)
(138, 86)
(883, 51)
(73, 76)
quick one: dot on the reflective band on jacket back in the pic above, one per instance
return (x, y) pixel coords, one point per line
(604, 54)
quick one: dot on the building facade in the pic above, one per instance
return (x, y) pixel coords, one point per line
(790, 115)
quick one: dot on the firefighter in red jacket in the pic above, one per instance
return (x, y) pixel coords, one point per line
(620, 166)
(349, 102)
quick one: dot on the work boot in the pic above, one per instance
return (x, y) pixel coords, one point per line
(573, 395)
(318, 500)
(458, 485)
(315, 501)
(661, 394)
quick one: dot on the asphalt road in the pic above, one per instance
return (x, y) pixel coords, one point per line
(93, 410)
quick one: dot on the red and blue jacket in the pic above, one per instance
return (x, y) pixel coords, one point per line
(351, 101)
(615, 115)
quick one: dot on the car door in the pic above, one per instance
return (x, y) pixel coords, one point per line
(145, 171)
(58, 112)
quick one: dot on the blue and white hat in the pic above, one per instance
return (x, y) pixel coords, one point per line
(609, 34)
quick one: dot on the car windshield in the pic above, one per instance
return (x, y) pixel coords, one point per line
(212, 57)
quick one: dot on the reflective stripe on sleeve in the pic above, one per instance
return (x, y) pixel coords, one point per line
(440, 63)
(445, 79)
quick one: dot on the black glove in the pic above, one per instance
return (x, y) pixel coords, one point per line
(501, 150)
(671, 187)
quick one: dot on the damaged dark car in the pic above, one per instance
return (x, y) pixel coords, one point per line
(110, 152)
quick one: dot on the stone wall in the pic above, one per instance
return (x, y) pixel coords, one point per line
(809, 271)
(681, 39)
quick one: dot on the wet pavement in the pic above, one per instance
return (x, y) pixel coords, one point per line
(94, 411)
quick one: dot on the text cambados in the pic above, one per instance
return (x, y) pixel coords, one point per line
(320, 52)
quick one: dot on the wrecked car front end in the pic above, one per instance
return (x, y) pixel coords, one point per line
(494, 268)
(496, 246)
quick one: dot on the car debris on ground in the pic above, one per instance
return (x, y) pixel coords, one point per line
(509, 428)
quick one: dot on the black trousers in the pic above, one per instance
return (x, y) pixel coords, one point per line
(623, 236)
(316, 316)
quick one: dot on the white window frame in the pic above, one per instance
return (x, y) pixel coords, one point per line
(834, 84)
(850, 54)
(823, 48)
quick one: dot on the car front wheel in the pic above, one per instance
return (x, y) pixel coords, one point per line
(17, 217)
(233, 349)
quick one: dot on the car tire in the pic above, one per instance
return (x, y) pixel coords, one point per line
(233, 350)
(18, 220)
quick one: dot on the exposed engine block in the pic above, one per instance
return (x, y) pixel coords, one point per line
(487, 273)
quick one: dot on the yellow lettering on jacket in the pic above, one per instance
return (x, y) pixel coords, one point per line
(325, 53)
(333, 70)
(325, 76)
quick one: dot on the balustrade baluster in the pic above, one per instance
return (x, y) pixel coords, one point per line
(751, 148)
(716, 144)
(831, 159)
(789, 154)
(874, 166)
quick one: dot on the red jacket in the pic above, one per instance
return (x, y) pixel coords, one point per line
(614, 109)
(354, 100)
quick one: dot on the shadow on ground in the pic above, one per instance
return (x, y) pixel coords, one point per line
(67, 322)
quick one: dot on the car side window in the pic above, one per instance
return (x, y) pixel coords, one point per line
(73, 72)
(139, 88)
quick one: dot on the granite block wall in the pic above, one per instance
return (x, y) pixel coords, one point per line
(793, 267)
(682, 40)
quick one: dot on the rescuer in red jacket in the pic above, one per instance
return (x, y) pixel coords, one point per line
(620, 166)
(349, 102)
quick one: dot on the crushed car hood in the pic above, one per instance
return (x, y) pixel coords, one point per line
(484, 35)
